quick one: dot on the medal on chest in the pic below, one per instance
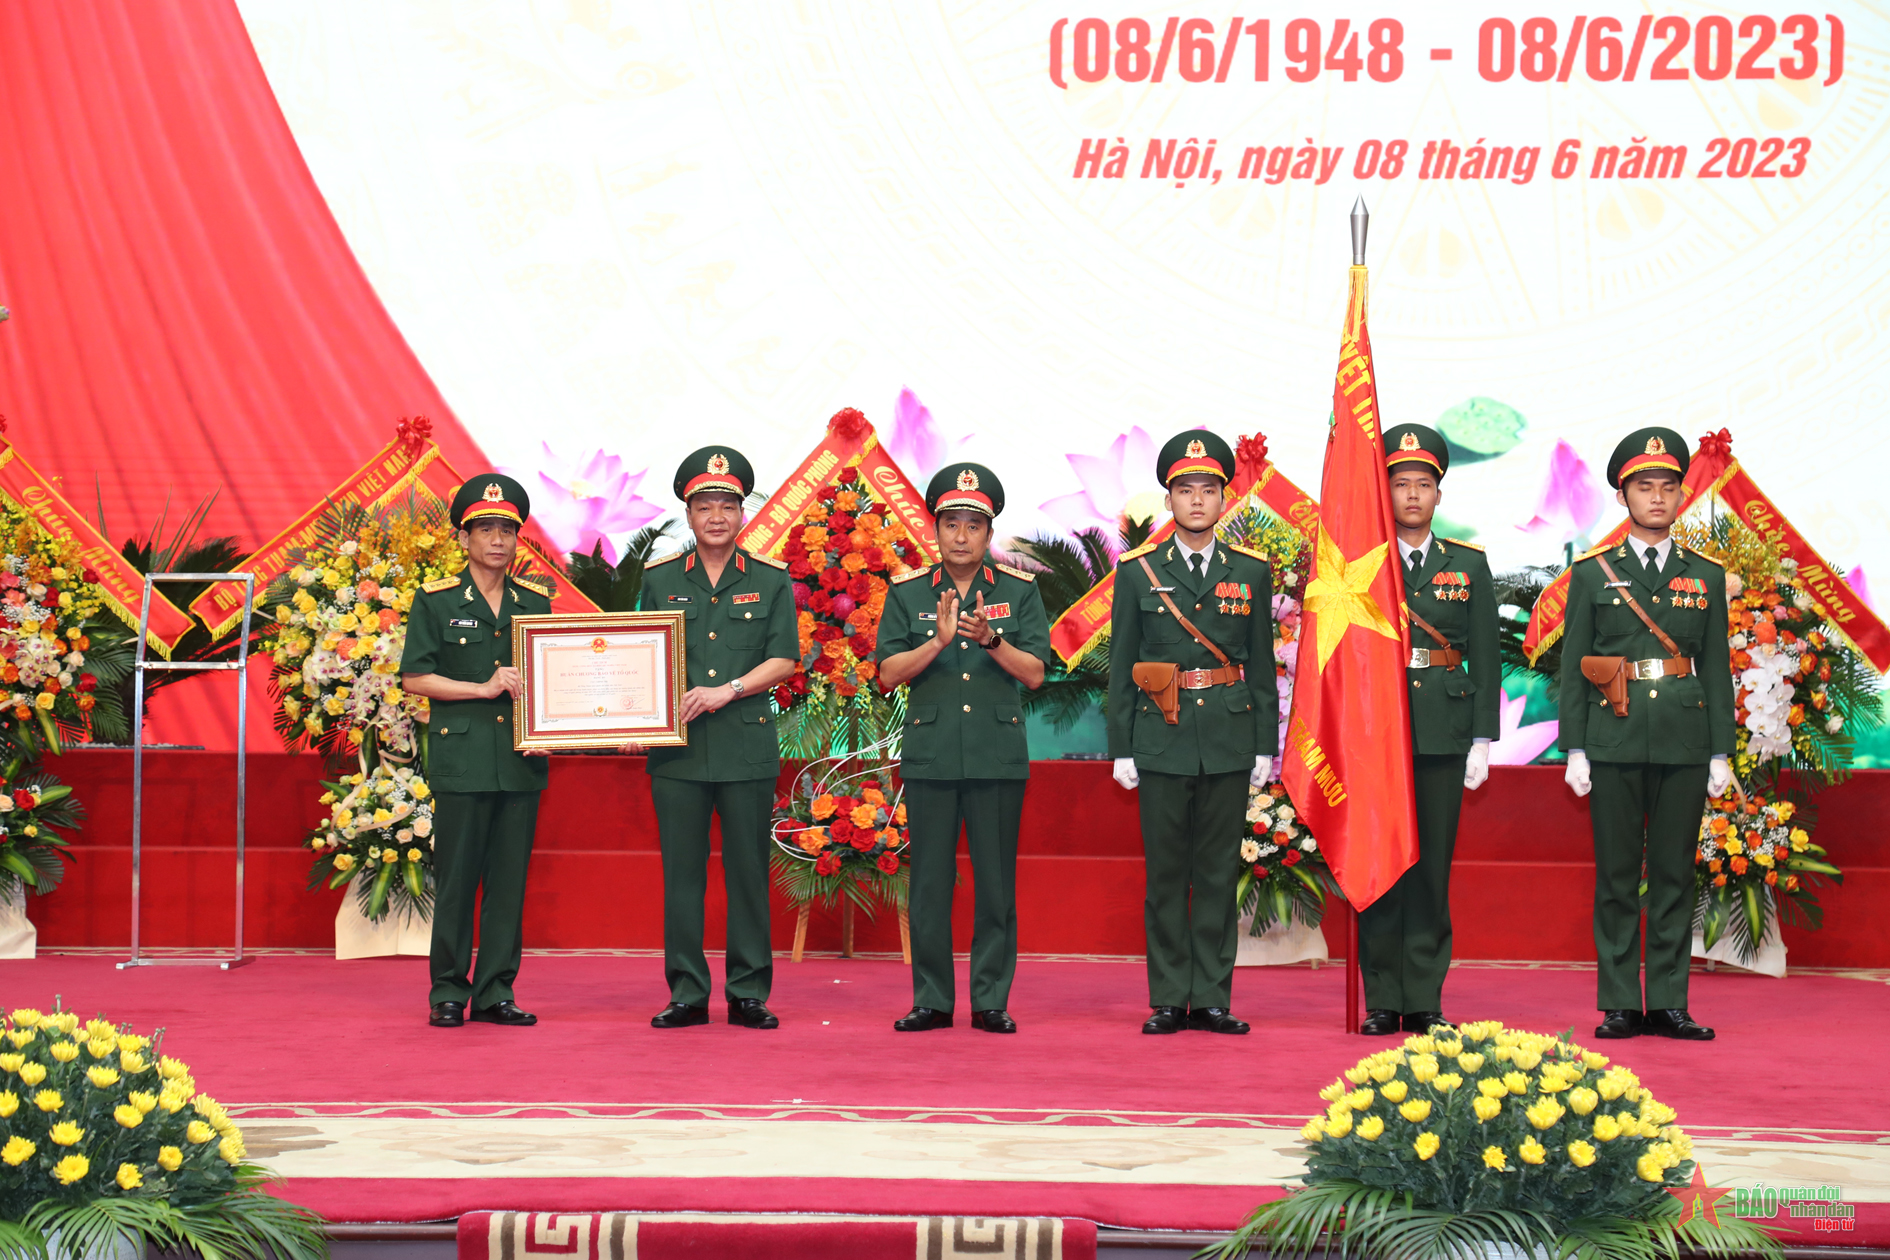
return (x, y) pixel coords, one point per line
(1450, 586)
(1688, 592)
(1236, 597)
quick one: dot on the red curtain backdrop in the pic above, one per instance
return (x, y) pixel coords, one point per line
(187, 316)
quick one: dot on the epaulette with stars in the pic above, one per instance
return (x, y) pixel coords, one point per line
(535, 583)
(1458, 542)
(767, 560)
(651, 564)
(1248, 552)
(440, 584)
(911, 574)
(1022, 574)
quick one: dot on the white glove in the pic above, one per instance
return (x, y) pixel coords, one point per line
(1476, 771)
(1719, 777)
(1125, 773)
(1577, 774)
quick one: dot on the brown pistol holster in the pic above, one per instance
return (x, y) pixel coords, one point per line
(1161, 680)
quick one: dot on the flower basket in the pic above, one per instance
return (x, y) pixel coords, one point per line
(378, 837)
(106, 1142)
(1284, 878)
(1488, 1139)
(840, 837)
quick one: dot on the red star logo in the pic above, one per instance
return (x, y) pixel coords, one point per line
(1698, 1199)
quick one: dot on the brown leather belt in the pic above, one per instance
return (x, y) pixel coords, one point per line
(1196, 679)
(1660, 666)
(1424, 658)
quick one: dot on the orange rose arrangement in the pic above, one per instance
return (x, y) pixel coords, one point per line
(841, 832)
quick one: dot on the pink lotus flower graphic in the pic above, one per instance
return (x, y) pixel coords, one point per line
(585, 501)
(1518, 745)
(1861, 584)
(1107, 480)
(1571, 500)
(918, 445)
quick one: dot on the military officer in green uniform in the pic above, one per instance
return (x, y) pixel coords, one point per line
(1650, 616)
(1456, 675)
(739, 640)
(1193, 721)
(965, 634)
(459, 655)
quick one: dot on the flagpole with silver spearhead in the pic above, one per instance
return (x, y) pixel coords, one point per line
(1361, 220)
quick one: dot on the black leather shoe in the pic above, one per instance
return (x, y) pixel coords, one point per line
(1676, 1024)
(1215, 1019)
(448, 1015)
(680, 1015)
(922, 1019)
(993, 1021)
(1424, 1021)
(751, 1013)
(1619, 1025)
(1379, 1023)
(1166, 1019)
(506, 1013)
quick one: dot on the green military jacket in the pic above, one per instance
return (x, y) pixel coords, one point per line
(729, 628)
(1221, 729)
(452, 632)
(1670, 721)
(1453, 591)
(964, 714)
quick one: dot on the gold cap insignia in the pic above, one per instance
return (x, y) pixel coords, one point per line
(967, 480)
(1408, 442)
(1196, 449)
(1655, 446)
(718, 463)
(493, 494)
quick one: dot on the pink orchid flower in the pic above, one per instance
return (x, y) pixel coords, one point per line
(1570, 502)
(919, 445)
(1518, 745)
(587, 500)
(1126, 471)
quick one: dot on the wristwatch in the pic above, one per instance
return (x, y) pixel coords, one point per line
(997, 637)
(735, 685)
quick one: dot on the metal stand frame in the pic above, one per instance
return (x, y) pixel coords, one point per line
(240, 665)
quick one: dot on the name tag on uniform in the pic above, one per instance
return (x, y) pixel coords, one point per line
(993, 612)
(1161, 590)
(678, 599)
(1609, 586)
(462, 621)
(928, 616)
(747, 597)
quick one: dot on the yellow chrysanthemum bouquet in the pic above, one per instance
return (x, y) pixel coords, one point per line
(1490, 1135)
(378, 833)
(103, 1135)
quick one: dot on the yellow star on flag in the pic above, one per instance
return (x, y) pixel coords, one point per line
(1339, 595)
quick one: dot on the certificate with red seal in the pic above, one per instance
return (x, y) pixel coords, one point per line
(598, 680)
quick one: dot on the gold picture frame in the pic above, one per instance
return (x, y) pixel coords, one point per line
(599, 680)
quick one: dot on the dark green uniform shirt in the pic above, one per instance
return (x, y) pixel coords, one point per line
(1670, 721)
(1453, 591)
(452, 632)
(964, 715)
(1221, 729)
(729, 628)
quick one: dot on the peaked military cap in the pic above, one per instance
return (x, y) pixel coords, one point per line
(1417, 444)
(491, 495)
(967, 487)
(1645, 449)
(1194, 452)
(721, 468)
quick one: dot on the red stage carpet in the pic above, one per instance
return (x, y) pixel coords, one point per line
(372, 1115)
(1521, 887)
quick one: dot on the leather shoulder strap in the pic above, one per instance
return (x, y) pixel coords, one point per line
(1673, 649)
(1187, 625)
(1427, 628)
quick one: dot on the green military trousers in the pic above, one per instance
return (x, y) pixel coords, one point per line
(480, 840)
(1404, 936)
(990, 811)
(1648, 814)
(746, 808)
(1191, 830)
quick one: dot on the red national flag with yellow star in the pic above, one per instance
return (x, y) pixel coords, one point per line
(1348, 739)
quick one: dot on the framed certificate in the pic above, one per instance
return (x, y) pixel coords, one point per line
(597, 680)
